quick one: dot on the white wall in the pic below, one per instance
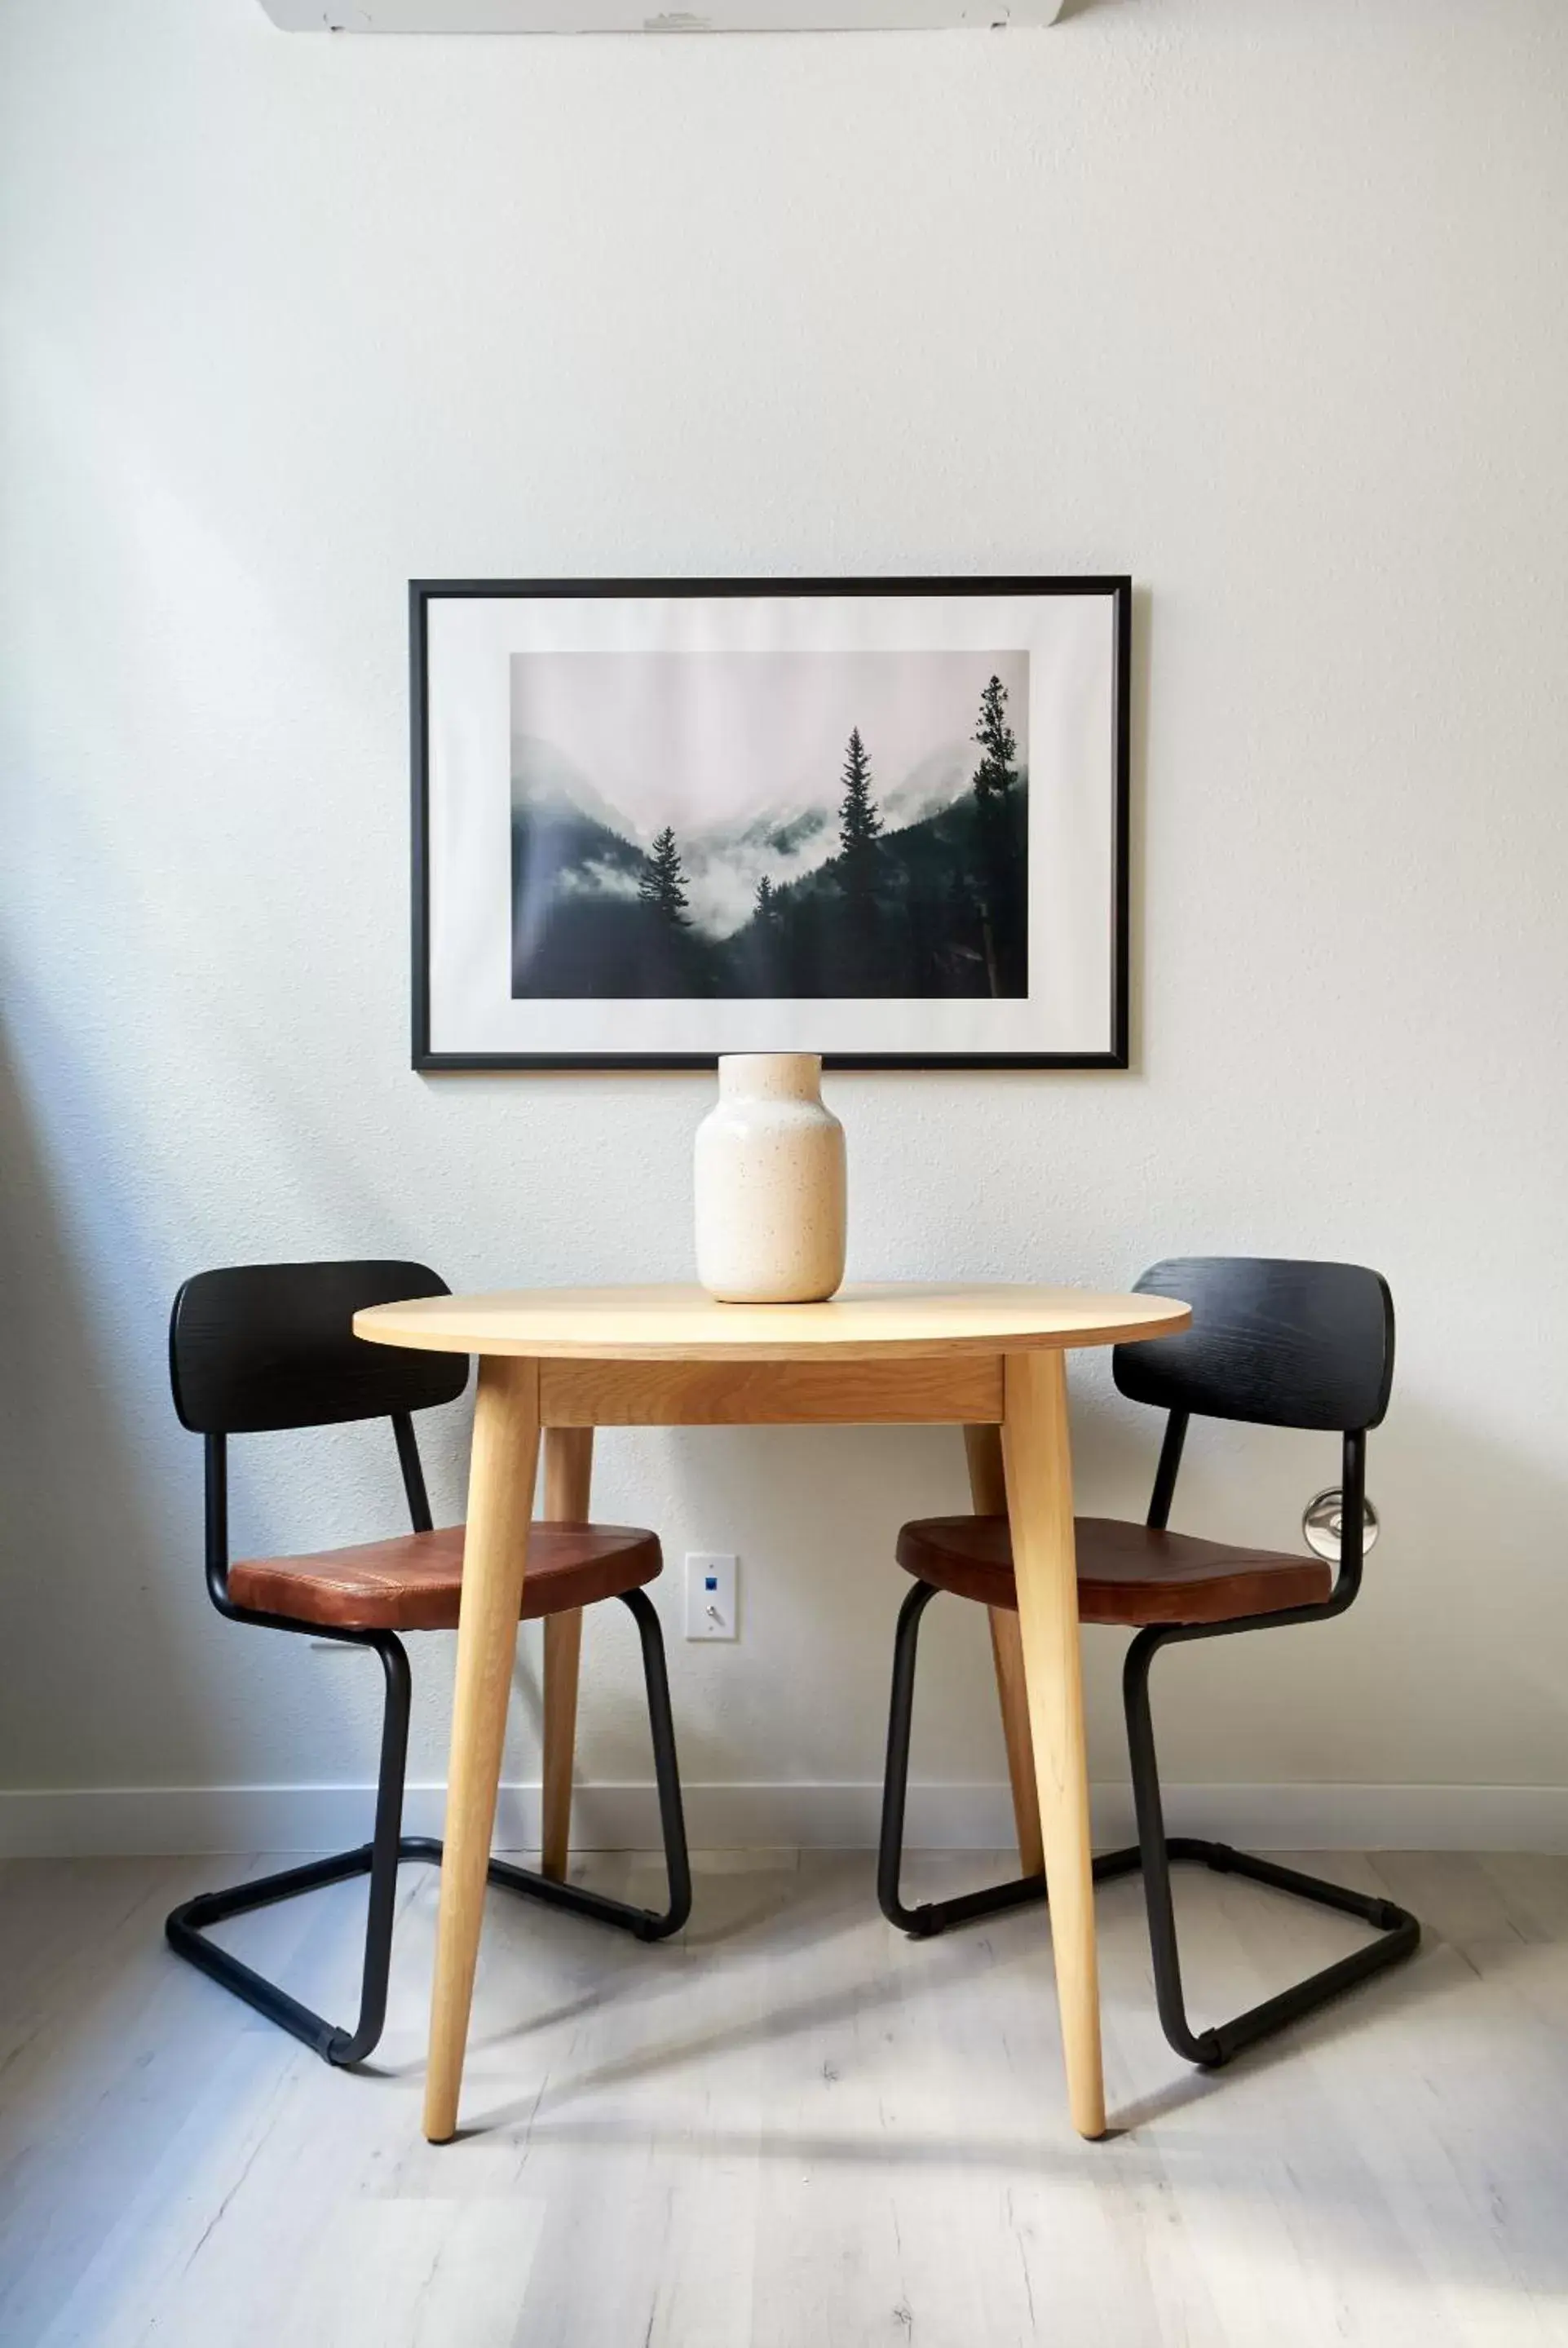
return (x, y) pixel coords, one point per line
(1266, 306)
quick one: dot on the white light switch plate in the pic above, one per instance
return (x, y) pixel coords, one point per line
(711, 1595)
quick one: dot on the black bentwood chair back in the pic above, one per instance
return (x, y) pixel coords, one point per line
(269, 1346)
(1271, 1343)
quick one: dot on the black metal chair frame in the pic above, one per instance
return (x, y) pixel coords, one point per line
(1398, 1932)
(187, 1926)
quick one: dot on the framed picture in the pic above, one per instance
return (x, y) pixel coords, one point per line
(884, 820)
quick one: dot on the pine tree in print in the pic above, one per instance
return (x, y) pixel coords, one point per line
(858, 821)
(999, 891)
(766, 907)
(662, 881)
(997, 772)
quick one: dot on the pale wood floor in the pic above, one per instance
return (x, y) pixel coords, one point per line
(791, 2129)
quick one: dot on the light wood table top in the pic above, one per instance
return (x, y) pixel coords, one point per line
(677, 1323)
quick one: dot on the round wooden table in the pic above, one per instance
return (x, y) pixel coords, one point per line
(561, 1362)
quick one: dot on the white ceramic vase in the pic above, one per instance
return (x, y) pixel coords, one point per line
(770, 1183)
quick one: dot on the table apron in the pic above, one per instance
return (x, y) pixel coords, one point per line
(942, 1390)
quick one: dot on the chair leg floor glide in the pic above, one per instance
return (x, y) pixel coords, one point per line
(187, 1925)
(1398, 1932)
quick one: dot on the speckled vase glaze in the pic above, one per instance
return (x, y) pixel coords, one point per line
(770, 1183)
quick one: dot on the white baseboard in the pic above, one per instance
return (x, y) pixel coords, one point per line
(123, 1821)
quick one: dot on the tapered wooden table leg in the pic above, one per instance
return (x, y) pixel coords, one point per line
(501, 1474)
(1037, 1449)
(988, 1491)
(569, 1476)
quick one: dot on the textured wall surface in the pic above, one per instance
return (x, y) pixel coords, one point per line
(1268, 306)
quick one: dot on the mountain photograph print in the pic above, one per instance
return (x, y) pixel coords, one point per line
(883, 820)
(770, 825)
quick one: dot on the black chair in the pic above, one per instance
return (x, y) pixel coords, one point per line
(1274, 1343)
(265, 1346)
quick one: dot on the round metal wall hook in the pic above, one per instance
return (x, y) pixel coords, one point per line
(1323, 1523)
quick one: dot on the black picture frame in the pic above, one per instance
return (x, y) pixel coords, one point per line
(423, 593)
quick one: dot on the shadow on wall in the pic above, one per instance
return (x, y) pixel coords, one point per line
(115, 1671)
(81, 1554)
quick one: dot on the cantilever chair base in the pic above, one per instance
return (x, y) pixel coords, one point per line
(1398, 1936)
(187, 1927)
(1398, 1932)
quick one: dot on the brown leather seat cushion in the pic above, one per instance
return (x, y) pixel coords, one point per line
(1125, 1572)
(414, 1583)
